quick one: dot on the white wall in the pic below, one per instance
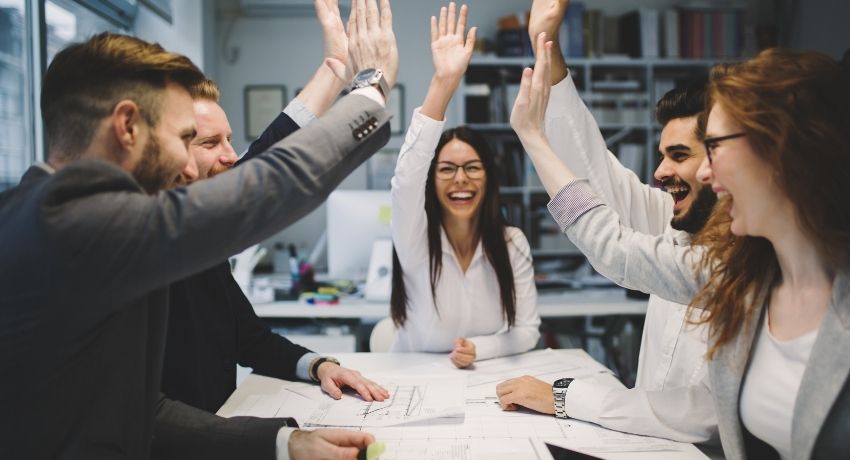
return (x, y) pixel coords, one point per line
(184, 35)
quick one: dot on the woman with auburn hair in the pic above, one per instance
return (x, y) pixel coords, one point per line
(463, 281)
(773, 268)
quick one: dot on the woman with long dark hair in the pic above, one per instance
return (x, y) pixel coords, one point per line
(463, 280)
(773, 267)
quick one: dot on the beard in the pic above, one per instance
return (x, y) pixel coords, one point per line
(694, 219)
(152, 172)
(218, 168)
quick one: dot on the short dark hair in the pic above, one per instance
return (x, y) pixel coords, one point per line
(682, 102)
(86, 80)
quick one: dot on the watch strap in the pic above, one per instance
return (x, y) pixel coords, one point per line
(314, 366)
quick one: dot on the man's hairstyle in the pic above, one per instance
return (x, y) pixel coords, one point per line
(86, 80)
(205, 90)
(682, 102)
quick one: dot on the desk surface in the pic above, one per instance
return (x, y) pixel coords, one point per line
(589, 302)
(371, 363)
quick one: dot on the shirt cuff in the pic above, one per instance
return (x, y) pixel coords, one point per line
(584, 399)
(299, 113)
(372, 93)
(282, 443)
(575, 199)
(302, 367)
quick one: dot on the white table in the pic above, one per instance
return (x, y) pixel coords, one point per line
(370, 363)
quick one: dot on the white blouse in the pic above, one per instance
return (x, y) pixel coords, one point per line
(771, 385)
(468, 304)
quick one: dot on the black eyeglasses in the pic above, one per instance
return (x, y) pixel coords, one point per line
(447, 171)
(710, 143)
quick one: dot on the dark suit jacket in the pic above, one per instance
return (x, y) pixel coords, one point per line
(212, 326)
(86, 261)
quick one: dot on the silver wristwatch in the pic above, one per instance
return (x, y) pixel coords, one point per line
(371, 77)
(559, 391)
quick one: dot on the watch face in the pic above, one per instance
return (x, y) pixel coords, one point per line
(562, 383)
(365, 75)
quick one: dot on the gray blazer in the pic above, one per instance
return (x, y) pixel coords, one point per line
(662, 266)
(85, 263)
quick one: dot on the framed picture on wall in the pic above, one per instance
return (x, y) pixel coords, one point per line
(396, 108)
(263, 104)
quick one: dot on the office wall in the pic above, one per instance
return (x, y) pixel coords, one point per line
(278, 50)
(183, 35)
(821, 25)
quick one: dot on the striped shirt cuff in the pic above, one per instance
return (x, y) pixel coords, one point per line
(575, 199)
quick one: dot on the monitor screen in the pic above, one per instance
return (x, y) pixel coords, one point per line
(355, 219)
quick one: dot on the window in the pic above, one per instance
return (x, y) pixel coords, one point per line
(16, 134)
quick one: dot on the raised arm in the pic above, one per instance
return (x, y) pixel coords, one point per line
(451, 50)
(576, 139)
(650, 263)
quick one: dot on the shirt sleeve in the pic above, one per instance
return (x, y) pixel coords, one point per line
(282, 443)
(656, 264)
(300, 114)
(525, 332)
(409, 224)
(576, 139)
(684, 414)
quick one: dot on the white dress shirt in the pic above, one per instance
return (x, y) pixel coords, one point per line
(672, 397)
(468, 303)
(771, 385)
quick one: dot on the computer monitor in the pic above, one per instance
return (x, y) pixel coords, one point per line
(355, 219)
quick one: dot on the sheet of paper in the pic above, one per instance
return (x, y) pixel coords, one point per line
(586, 437)
(411, 400)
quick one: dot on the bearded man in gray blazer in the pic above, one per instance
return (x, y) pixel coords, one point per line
(91, 243)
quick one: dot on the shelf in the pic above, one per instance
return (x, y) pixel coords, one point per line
(491, 60)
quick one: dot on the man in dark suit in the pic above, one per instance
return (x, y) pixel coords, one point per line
(90, 245)
(212, 325)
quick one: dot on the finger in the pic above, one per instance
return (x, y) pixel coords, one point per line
(450, 18)
(347, 438)
(331, 388)
(347, 453)
(461, 20)
(362, 14)
(386, 15)
(434, 32)
(443, 13)
(352, 19)
(458, 343)
(321, 9)
(333, 6)
(470, 40)
(524, 85)
(372, 15)
(360, 387)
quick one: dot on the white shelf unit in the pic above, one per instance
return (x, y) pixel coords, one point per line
(621, 93)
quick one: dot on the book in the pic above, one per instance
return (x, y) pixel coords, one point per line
(671, 33)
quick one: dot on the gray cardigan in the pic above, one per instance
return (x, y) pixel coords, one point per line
(658, 265)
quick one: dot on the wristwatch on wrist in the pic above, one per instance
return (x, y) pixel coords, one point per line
(314, 366)
(559, 391)
(371, 77)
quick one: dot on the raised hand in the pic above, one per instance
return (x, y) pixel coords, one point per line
(371, 41)
(546, 17)
(335, 39)
(451, 47)
(530, 106)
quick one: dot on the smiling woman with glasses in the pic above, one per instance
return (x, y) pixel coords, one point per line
(463, 281)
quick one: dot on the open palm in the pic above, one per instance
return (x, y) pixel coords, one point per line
(451, 47)
(546, 16)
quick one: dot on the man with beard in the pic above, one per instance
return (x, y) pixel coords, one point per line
(212, 326)
(91, 243)
(672, 398)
